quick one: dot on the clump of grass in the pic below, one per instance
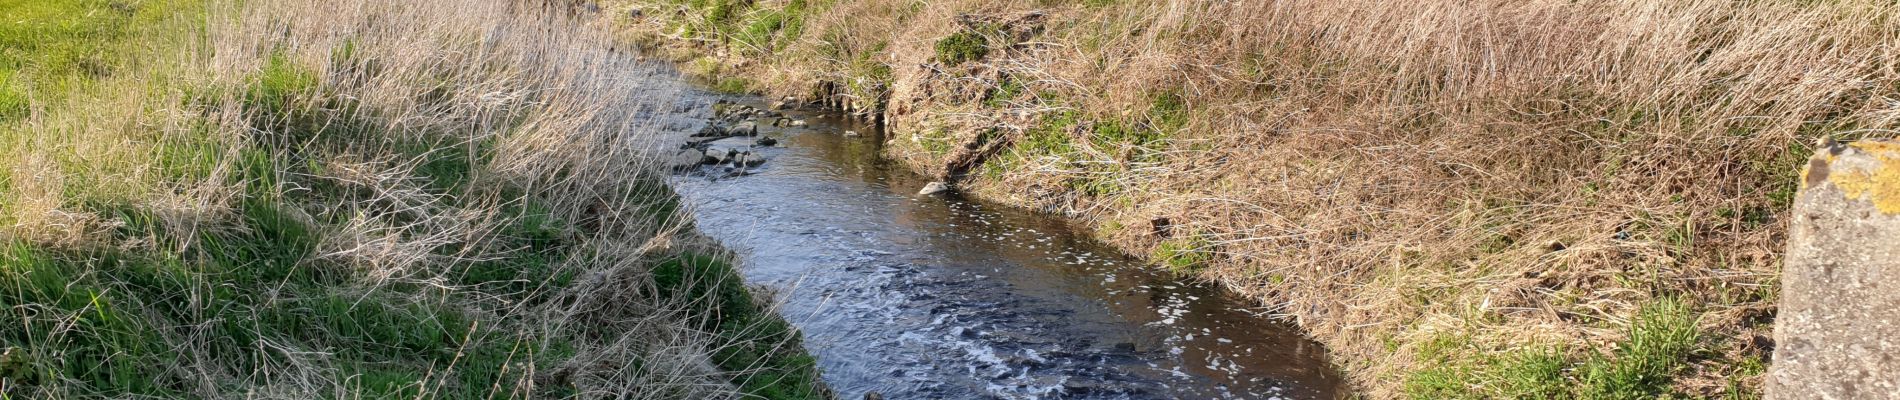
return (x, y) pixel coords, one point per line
(1050, 137)
(751, 337)
(962, 46)
(1185, 255)
(1642, 366)
(1168, 111)
(13, 101)
(1006, 90)
(732, 85)
(1660, 338)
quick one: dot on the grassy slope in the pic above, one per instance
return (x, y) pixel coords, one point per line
(275, 222)
(1462, 199)
(51, 47)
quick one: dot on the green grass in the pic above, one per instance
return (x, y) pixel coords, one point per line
(756, 31)
(1050, 136)
(1053, 140)
(1168, 111)
(751, 338)
(1184, 255)
(230, 290)
(1008, 89)
(51, 48)
(962, 46)
(732, 85)
(54, 52)
(1661, 337)
(1660, 341)
(91, 331)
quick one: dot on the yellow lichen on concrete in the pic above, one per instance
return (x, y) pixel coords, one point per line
(1878, 184)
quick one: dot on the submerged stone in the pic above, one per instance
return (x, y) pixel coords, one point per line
(747, 128)
(934, 188)
(749, 159)
(685, 159)
(734, 143)
(718, 154)
(710, 130)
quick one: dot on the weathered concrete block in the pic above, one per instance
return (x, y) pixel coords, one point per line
(1838, 331)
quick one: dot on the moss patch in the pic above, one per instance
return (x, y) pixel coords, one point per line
(962, 46)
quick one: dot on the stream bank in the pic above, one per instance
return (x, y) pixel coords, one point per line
(1443, 209)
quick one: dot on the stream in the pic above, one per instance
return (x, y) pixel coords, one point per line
(940, 297)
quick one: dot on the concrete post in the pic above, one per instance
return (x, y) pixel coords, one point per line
(1837, 333)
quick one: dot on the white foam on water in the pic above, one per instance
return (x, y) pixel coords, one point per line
(1034, 356)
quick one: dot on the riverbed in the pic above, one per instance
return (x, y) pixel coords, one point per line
(936, 296)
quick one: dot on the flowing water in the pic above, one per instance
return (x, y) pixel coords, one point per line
(923, 297)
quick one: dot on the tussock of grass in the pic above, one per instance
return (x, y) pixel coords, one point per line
(1183, 256)
(961, 47)
(1639, 366)
(356, 199)
(1383, 172)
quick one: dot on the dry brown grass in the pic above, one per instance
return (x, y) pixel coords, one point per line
(1388, 174)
